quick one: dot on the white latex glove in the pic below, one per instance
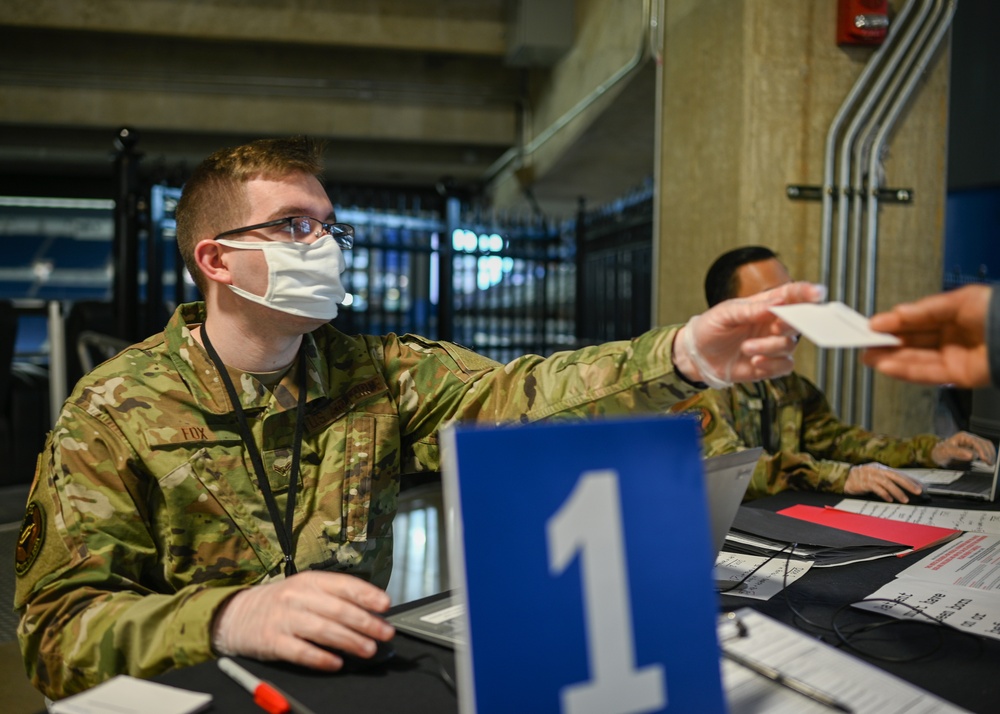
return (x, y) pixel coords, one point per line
(886, 483)
(963, 447)
(741, 340)
(282, 620)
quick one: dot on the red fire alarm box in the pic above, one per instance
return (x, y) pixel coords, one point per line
(862, 22)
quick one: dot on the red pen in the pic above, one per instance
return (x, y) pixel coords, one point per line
(266, 695)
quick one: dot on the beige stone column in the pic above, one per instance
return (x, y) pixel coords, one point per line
(748, 90)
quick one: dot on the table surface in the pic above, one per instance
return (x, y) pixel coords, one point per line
(954, 666)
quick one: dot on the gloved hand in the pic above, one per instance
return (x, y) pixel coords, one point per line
(886, 483)
(282, 620)
(963, 447)
(741, 340)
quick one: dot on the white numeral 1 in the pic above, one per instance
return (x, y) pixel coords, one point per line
(590, 523)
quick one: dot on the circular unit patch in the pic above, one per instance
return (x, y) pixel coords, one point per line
(29, 540)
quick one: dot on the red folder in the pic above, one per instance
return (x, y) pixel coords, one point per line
(914, 535)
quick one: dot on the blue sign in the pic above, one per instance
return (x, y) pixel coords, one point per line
(583, 553)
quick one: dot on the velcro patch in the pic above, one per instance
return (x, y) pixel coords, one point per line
(30, 539)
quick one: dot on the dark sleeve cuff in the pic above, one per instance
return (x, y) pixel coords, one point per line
(993, 335)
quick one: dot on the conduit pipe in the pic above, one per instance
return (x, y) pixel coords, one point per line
(941, 25)
(829, 163)
(924, 25)
(838, 287)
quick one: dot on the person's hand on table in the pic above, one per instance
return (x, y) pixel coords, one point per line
(886, 483)
(943, 339)
(963, 447)
(283, 620)
(741, 340)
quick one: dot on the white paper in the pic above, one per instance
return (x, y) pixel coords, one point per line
(833, 324)
(972, 561)
(762, 585)
(957, 518)
(967, 609)
(959, 583)
(128, 695)
(864, 688)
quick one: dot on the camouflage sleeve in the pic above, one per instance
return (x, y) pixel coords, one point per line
(827, 437)
(774, 472)
(609, 379)
(85, 550)
(615, 378)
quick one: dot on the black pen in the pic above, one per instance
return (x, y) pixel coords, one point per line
(796, 685)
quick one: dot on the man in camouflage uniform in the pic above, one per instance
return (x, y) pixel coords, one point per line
(235, 495)
(806, 447)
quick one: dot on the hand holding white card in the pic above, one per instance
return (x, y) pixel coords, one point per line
(833, 324)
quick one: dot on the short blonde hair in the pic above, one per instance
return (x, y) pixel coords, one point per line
(214, 199)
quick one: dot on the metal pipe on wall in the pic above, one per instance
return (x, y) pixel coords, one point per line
(829, 164)
(940, 24)
(845, 199)
(860, 178)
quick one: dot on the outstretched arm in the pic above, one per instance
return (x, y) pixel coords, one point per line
(944, 339)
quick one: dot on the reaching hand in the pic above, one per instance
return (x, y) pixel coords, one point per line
(943, 339)
(963, 447)
(886, 483)
(741, 340)
(282, 620)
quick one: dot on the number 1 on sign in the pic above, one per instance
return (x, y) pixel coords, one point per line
(589, 523)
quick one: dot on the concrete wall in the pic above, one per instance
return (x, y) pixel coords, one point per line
(748, 91)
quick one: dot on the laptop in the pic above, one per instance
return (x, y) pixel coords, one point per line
(439, 618)
(978, 482)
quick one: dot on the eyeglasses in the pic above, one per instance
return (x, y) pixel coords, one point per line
(298, 229)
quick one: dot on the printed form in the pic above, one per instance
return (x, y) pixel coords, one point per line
(958, 584)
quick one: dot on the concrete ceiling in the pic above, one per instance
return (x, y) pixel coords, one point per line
(406, 92)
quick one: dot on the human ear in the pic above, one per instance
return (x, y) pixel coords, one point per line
(209, 255)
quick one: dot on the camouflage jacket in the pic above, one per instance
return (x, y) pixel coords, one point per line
(807, 447)
(145, 514)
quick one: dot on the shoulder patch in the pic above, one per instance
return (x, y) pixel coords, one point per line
(468, 360)
(30, 539)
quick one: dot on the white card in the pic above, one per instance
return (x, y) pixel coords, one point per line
(833, 324)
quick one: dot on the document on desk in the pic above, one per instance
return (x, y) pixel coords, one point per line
(862, 687)
(958, 584)
(128, 695)
(958, 518)
(833, 324)
(774, 573)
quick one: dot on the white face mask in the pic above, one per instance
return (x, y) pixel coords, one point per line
(302, 278)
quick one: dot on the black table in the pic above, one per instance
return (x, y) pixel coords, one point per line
(961, 669)
(410, 682)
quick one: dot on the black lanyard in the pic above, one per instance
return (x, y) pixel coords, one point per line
(283, 528)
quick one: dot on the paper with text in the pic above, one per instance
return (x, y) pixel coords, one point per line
(763, 584)
(958, 584)
(957, 518)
